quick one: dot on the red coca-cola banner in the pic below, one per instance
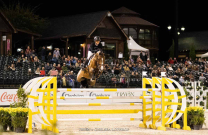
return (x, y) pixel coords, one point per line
(8, 96)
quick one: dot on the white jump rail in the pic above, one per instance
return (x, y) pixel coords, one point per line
(102, 119)
(105, 90)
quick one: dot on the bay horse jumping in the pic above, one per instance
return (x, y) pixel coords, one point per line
(92, 71)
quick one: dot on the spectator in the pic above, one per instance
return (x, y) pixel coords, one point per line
(42, 72)
(31, 59)
(149, 62)
(64, 68)
(49, 57)
(28, 51)
(54, 59)
(117, 69)
(202, 78)
(59, 67)
(56, 53)
(19, 64)
(25, 60)
(175, 61)
(43, 53)
(29, 72)
(134, 67)
(53, 72)
(37, 72)
(60, 80)
(12, 67)
(126, 68)
(47, 68)
(170, 61)
(74, 60)
(181, 80)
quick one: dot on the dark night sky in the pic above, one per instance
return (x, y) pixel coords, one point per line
(192, 13)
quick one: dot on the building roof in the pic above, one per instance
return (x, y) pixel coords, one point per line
(124, 10)
(76, 25)
(198, 39)
(131, 20)
(125, 16)
(11, 26)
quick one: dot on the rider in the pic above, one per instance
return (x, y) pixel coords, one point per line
(94, 48)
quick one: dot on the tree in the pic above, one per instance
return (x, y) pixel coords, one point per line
(24, 17)
(171, 54)
(126, 51)
(192, 53)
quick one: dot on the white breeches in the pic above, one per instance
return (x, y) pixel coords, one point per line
(89, 54)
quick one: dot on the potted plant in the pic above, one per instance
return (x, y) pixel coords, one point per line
(19, 118)
(190, 97)
(204, 87)
(19, 111)
(22, 99)
(195, 117)
(5, 118)
(204, 97)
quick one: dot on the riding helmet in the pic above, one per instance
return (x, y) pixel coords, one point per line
(97, 38)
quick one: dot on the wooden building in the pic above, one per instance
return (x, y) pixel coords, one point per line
(12, 38)
(74, 34)
(143, 32)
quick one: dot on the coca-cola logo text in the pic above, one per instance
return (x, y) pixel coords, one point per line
(5, 97)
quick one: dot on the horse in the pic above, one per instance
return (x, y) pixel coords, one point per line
(94, 69)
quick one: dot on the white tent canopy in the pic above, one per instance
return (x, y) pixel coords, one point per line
(134, 48)
(204, 55)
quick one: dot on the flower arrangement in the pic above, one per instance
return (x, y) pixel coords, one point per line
(196, 117)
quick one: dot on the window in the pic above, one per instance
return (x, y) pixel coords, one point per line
(141, 34)
(126, 30)
(133, 33)
(110, 49)
(145, 37)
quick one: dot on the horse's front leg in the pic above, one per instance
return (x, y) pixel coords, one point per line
(92, 73)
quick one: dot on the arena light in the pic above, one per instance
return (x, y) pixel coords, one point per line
(182, 28)
(169, 27)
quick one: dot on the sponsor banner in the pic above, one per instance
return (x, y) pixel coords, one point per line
(8, 96)
(94, 94)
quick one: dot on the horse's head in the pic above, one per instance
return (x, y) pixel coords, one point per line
(100, 58)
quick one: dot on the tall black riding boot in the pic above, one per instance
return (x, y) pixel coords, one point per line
(85, 64)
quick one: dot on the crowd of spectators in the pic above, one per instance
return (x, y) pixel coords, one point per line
(121, 71)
